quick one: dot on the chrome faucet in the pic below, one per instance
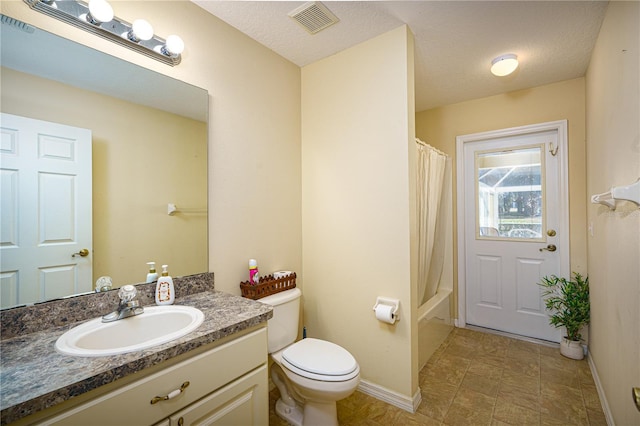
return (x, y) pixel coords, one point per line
(103, 284)
(127, 307)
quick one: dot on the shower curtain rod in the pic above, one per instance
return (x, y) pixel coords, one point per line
(423, 143)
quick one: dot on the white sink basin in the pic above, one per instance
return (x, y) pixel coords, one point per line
(157, 325)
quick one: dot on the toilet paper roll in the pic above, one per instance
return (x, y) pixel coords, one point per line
(384, 313)
(281, 274)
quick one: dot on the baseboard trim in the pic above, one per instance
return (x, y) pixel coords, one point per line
(391, 397)
(603, 400)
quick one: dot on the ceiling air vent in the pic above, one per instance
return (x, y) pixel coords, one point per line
(313, 17)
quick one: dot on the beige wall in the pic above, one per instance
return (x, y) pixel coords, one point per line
(358, 205)
(559, 101)
(143, 158)
(613, 158)
(254, 130)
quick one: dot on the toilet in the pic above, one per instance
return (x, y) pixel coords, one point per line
(311, 374)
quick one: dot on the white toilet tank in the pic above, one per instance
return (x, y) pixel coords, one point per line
(282, 329)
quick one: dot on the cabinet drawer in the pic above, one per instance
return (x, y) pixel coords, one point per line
(205, 373)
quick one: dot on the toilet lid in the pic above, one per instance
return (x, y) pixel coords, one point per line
(320, 357)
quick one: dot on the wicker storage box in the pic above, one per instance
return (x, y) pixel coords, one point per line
(267, 286)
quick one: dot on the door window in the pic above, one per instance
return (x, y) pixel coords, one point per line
(510, 194)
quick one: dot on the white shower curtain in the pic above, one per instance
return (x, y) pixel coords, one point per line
(432, 165)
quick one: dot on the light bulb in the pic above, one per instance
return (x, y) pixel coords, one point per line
(504, 65)
(99, 11)
(173, 46)
(140, 30)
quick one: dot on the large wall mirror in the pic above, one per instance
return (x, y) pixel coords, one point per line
(148, 149)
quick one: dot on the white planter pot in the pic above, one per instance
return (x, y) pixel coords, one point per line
(571, 349)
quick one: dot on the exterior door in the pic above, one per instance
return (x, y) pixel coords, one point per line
(46, 210)
(515, 227)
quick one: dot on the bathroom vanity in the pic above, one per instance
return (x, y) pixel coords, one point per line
(216, 374)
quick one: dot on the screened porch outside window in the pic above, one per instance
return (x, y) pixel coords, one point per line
(510, 203)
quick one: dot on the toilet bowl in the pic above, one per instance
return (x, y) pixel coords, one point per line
(311, 374)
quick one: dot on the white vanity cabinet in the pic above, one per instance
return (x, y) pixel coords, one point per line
(226, 385)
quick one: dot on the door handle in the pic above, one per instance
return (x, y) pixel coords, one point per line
(550, 247)
(82, 253)
(170, 395)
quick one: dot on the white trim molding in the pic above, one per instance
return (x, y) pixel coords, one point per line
(391, 397)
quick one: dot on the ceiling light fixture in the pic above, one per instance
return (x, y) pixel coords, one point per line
(97, 17)
(504, 65)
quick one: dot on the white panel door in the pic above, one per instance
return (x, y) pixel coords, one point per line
(514, 232)
(45, 176)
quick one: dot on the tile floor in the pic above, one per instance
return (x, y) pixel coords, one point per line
(478, 378)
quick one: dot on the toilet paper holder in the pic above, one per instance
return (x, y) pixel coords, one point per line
(394, 303)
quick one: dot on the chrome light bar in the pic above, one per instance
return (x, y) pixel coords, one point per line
(117, 30)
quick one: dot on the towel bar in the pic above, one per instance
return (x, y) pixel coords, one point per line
(627, 193)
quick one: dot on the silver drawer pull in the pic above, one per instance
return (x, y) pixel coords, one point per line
(171, 394)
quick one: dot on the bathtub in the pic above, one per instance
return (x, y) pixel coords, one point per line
(434, 324)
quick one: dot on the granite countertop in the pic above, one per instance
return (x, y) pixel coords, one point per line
(34, 376)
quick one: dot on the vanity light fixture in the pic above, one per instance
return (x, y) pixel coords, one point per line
(97, 17)
(140, 30)
(173, 46)
(99, 11)
(504, 65)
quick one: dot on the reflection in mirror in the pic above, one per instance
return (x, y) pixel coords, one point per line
(149, 149)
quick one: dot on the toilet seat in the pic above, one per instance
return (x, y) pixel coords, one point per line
(320, 360)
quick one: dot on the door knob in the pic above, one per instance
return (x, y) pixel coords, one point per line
(83, 253)
(551, 232)
(636, 397)
(550, 247)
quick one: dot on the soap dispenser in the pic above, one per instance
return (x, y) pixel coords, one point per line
(165, 293)
(152, 275)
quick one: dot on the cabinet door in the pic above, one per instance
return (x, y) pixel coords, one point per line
(241, 403)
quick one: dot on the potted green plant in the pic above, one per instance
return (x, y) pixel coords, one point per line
(568, 302)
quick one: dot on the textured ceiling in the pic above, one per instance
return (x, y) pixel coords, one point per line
(455, 41)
